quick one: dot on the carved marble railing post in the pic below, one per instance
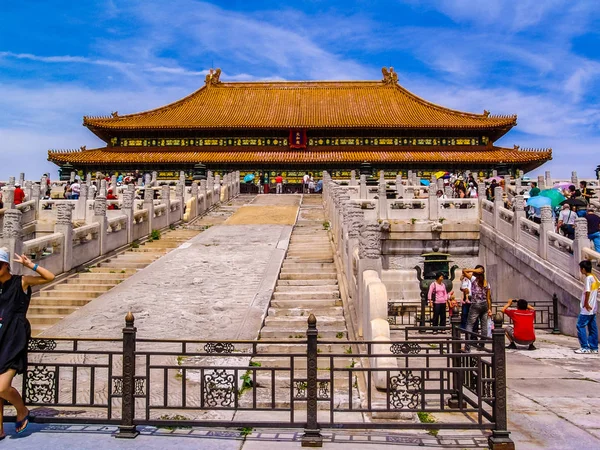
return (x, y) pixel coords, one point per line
(43, 185)
(11, 181)
(128, 196)
(12, 236)
(64, 226)
(362, 191)
(546, 225)
(88, 178)
(210, 189)
(27, 187)
(343, 220)
(237, 182)
(448, 192)
(481, 196)
(35, 196)
(494, 173)
(382, 204)
(165, 198)
(519, 213)
(194, 189)
(225, 188)
(179, 195)
(154, 179)
(548, 180)
(580, 242)
(410, 177)
(369, 258)
(518, 186)
(72, 177)
(506, 183)
(541, 182)
(113, 184)
(202, 202)
(149, 205)
(440, 184)
(498, 203)
(353, 181)
(355, 221)
(101, 219)
(217, 186)
(574, 179)
(81, 203)
(433, 203)
(102, 189)
(8, 197)
(399, 187)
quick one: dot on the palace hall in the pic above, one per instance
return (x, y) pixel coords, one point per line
(293, 127)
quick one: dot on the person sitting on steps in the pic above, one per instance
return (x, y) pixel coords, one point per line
(522, 330)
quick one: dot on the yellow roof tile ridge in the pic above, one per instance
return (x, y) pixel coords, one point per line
(432, 105)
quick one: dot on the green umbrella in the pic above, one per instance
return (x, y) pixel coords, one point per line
(555, 196)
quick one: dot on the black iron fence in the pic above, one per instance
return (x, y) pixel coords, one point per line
(306, 382)
(407, 314)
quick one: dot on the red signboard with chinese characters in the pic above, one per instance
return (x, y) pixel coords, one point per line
(298, 138)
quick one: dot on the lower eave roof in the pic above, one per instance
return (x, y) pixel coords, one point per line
(311, 155)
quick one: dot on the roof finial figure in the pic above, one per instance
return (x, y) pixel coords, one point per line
(486, 113)
(213, 77)
(389, 76)
(82, 148)
(517, 147)
(114, 114)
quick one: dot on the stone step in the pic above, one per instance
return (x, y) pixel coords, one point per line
(136, 257)
(309, 259)
(70, 294)
(317, 295)
(294, 322)
(52, 301)
(55, 310)
(84, 287)
(300, 363)
(320, 288)
(324, 282)
(313, 303)
(298, 269)
(96, 281)
(86, 277)
(122, 265)
(314, 265)
(308, 276)
(112, 270)
(280, 333)
(44, 319)
(305, 312)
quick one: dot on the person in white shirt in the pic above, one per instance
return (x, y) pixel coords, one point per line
(305, 180)
(566, 221)
(75, 190)
(587, 329)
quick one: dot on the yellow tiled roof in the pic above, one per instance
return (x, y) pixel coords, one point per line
(301, 104)
(314, 155)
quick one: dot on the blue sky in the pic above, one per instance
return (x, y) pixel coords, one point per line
(60, 60)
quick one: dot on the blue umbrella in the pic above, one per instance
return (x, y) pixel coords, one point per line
(425, 182)
(248, 178)
(538, 201)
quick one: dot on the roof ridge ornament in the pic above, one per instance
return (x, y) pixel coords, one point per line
(486, 113)
(389, 76)
(213, 77)
(114, 114)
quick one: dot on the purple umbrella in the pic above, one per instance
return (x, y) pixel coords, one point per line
(498, 179)
(562, 186)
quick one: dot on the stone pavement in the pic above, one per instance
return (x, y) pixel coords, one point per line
(218, 284)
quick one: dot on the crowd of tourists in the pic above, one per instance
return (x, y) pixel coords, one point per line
(475, 308)
(308, 184)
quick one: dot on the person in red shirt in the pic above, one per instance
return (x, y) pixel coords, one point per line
(279, 183)
(521, 332)
(19, 194)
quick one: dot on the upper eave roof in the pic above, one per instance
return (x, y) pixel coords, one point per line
(301, 104)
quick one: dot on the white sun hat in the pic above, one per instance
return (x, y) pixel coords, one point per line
(4, 255)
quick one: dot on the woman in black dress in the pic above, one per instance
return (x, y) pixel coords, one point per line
(15, 294)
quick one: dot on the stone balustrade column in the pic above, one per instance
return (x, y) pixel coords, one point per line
(440, 184)
(448, 192)
(12, 236)
(382, 212)
(518, 186)
(194, 203)
(519, 213)
(113, 184)
(369, 258)
(580, 242)
(498, 203)
(541, 182)
(147, 180)
(27, 188)
(494, 173)
(399, 187)
(43, 185)
(99, 176)
(548, 180)
(64, 226)
(237, 182)
(217, 188)
(128, 210)
(506, 183)
(179, 195)
(72, 176)
(101, 219)
(165, 198)
(81, 203)
(409, 176)
(343, 221)
(480, 197)
(353, 181)
(149, 205)
(8, 197)
(203, 202)
(35, 196)
(574, 179)
(546, 225)
(433, 203)
(362, 190)
(88, 178)
(355, 221)
(210, 184)
(11, 181)
(225, 189)
(154, 179)
(102, 189)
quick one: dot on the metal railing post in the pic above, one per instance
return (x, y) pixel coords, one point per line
(455, 399)
(312, 432)
(556, 328)
(500, 438)
(127, 430)
(423, 306)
